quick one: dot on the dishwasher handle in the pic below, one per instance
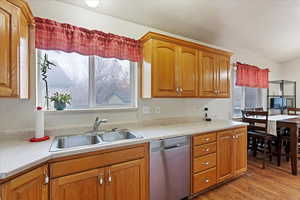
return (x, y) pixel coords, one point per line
(173, 146)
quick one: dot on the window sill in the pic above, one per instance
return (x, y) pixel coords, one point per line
(92, 110)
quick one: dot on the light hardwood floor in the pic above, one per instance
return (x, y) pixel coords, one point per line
(272, 183)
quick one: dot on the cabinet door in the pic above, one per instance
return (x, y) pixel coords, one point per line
(8, 51)
(87, 185)
(240, 151)
(225, 157)
(207, 74)
(223, 76)
(188, 72)
(165, 71)
(30, 186)
(126, 181)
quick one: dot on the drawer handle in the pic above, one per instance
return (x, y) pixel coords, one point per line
(206, 139)
(206, 180)
(206, 150)
(206, 163)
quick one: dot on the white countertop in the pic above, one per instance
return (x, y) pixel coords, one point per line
(18, 154)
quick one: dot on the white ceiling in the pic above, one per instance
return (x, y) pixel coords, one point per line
(267, 27)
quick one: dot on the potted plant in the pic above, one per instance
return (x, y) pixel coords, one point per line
(61, 100)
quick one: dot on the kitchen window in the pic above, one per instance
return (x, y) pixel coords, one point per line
(245, 98)
(93, 82)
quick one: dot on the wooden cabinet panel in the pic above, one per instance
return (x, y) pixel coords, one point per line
(204, 149)
(86, 185)
(15, 21)
(165, 59)
(30, 186)
(223, 77)
(207, 74)
(8, 51)
(204, 180)
(204, 162)
(225, 150)
(128, 181)
(188, 72)
(240, 163)
(204, 138)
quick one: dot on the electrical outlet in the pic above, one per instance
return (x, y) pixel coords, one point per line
(157, 110)
(146, 110)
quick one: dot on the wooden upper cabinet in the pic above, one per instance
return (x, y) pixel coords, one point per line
(16, 20)
(188, 66)
(223, 76)
(207, 74)
(127, 181)
(165, 61)
(30, 186)
(176, 68)
(89, 185)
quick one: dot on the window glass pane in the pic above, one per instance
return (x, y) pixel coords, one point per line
(237, 98)
(113, 82)
(70, 75)
(253, 97)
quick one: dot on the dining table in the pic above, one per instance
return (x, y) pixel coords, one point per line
(293, 124)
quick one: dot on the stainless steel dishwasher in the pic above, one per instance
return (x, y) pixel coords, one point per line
(170, 168)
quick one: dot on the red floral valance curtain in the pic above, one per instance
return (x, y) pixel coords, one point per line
(251, 76)
(51, 35)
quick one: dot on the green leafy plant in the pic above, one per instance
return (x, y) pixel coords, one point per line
(61, 98)
(45, 67)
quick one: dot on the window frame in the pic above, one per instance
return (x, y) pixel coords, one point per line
(92, 106)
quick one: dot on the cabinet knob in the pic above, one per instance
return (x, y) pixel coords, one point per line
(205, 163)
(101, 181)
(206, 139)
(109, 176)
(181, 90)
(46, 179)
(206, 180)
(206, 150)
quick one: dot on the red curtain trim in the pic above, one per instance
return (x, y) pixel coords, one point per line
(52, 35)
(251, 76)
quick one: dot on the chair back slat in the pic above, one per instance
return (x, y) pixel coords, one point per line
(258, 120)
(293, 111)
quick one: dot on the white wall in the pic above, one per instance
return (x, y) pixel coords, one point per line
(18, 114)
(291, 71)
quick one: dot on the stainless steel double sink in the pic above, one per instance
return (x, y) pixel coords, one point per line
(90, 138)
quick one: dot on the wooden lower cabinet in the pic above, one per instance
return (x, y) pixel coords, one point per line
(218, 157)
(30, 186)
(225, 146)
(86, 185)
(126, 181)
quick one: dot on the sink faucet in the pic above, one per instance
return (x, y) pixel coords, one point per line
(98, 122)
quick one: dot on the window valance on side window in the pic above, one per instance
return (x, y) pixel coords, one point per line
(52, 35)
(251, 76)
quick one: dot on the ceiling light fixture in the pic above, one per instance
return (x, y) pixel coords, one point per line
(92, 3)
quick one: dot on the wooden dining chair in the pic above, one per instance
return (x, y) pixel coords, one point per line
(258, 137)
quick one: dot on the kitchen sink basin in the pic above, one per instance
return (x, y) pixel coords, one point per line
(92, 138)
(117, 136)
(65, 142)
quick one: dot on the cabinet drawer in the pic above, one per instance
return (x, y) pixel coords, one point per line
(203, 180)
(204, 162)
(204, 149)
(204, 139)
(68, 167)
